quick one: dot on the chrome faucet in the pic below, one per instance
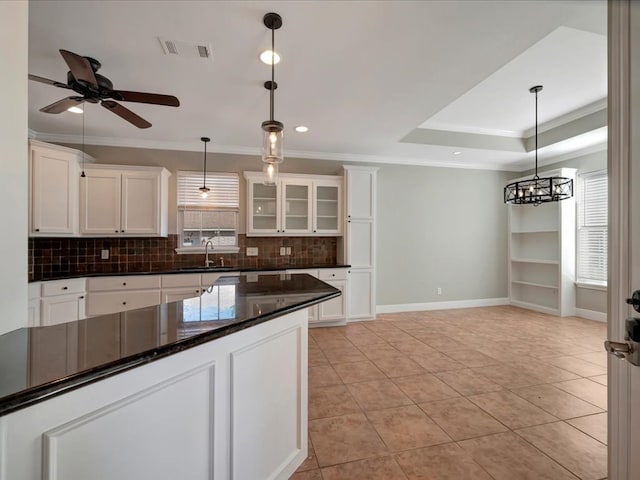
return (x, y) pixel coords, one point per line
(207, 262)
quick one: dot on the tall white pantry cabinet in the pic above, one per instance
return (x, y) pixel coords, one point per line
(360, 251)
(542, 253)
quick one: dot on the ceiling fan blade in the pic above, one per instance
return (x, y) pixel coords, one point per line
(36, 78)
(141, 97)
(125, 113)
(80, 67)
(62, 105)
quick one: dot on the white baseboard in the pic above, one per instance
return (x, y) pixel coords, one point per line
(591, 315)
(417, 307)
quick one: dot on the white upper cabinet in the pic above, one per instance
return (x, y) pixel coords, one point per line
(298, 205)
(116, 200)
(53, 192)
(361, 188)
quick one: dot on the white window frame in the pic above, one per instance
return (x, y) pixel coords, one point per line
(581, 279)
(230, 204)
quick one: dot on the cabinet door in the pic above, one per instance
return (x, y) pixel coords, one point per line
(327, 208)
(62, 308)
(296, 206)
(334, 309)
(263, 208)
(360, 244)
(100, 195)
(140, 203)
(361, 192)
(361, 291)
(54, 192)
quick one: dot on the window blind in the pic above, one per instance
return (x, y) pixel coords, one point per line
(592, 227)
(224, 190)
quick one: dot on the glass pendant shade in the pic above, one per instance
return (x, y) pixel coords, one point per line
(270, 170)
(272, 142)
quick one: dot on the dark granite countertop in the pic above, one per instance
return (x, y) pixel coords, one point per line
(40, 362)
(197, 269)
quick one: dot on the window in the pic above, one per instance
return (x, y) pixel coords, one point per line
(592, 228)
(212, 218)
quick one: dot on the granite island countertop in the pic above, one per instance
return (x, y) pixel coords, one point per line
(38, 363)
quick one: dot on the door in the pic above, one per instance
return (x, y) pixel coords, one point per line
(140, 203)
(296, 207)
(624, 232)
(100, 202)
(54, 192)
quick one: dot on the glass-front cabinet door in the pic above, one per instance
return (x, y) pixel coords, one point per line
(296, 206)
(263, 216)
(327, 211)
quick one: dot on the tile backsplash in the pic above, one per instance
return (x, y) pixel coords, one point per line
(57, 257)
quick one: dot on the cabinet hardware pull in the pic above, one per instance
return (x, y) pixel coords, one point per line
(65, 288)
(116, 231)
(122, 231)
(37, 229)
(81, 297)
(124, 303)
(124, 284)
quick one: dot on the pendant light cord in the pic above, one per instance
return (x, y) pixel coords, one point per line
(204, 173)
(84, 112)
(536, 175)
(273, 68)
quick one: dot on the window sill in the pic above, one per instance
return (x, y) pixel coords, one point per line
(592, 285)
(201, 250)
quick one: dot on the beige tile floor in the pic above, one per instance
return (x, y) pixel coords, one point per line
(496, 393)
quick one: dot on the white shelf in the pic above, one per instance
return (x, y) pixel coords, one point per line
(327, 216)
(263, 215)
(269, 199)
(533, 260)
(326, 200)
(289, 199)
(297, 216)
(542, 254)
(533, 284)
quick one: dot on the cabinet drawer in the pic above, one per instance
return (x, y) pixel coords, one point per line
(101, 303)
(328, 274)
(62, 287)
(125, 282)
(181, 280)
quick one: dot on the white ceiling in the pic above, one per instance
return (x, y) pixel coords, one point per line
(362, 75)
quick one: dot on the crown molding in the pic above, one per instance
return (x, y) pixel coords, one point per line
(524, 165)
(572, 116)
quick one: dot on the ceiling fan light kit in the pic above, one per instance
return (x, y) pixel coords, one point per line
(272, 130)
(92, 87)
(536, 190)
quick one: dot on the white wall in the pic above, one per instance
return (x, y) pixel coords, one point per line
(13, 153)
(440, 228)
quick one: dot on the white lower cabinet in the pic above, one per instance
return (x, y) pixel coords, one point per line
(62, 301)
(361, 294)
(331, 312)
(33, 315)
(233, 408)
(122, 293)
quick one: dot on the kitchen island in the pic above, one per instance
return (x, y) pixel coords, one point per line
(209, 387)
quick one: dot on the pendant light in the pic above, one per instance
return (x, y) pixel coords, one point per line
(204, 190)
(538, 190)
(272, 130)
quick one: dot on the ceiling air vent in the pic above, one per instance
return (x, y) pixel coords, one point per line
(186, 49)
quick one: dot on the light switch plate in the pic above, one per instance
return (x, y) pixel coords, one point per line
(252, 251)
(104, 254)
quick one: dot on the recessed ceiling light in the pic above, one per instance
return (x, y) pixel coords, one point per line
(74, 109)
(302, 129)
(265, 57)
(457, 152)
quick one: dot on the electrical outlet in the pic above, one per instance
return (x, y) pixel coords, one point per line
(288, 250)
(283, 250)
(439, 291)
(104, 254)
(252, 251)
